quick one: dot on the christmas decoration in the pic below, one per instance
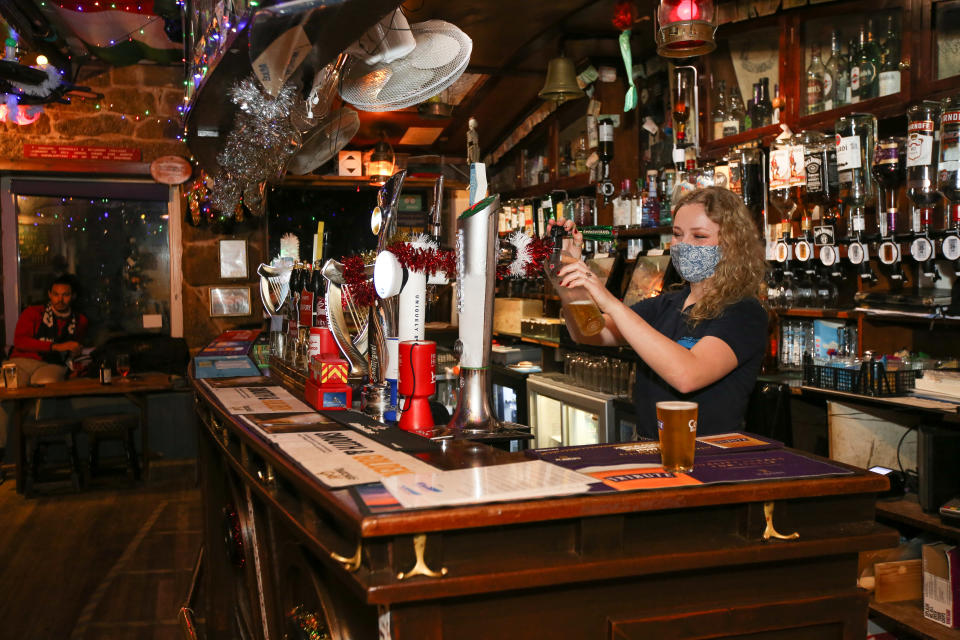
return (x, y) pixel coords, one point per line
(198, 200)
(530, 254)
(311, 626)
(262, 141)
(624, 16)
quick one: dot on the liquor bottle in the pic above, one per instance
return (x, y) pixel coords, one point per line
(853, 51)
(949, 176)
(580, 160)
(749, 114)
(765, 106)
(838, 74)
(923, 123)
(820, 164)
(719, 112)
(681, 112)
(869, 65)
(889, 172)
(734, 123)
(623, 206)
(776, 102)
(293, 314)
(318, 285)
(890, 67)
(855, 136)
(816, 83)
(651, 204)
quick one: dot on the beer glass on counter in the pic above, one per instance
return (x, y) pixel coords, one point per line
(677, 429)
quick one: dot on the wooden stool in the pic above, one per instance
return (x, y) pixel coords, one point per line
(115, 426)
(44, 432)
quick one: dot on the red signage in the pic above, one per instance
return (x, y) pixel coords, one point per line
(64, 152)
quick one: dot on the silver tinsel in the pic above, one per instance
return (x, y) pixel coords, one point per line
(258, 148)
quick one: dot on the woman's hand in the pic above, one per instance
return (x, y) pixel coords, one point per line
(578, 274)
(575, 246)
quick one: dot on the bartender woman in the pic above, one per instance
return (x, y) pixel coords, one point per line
(704, 341)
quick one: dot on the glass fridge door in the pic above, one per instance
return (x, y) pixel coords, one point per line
(548, 422)
(580, 426)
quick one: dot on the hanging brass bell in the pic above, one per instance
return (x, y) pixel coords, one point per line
(561, 84)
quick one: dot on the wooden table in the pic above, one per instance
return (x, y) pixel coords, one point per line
(666, 564)
(133, 389)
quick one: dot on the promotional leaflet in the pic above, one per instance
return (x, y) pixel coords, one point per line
(516, 481)
(344, 458)
(264, 398)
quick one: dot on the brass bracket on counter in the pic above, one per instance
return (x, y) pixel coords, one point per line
(421, 568)
(352, 563)
(770, 532)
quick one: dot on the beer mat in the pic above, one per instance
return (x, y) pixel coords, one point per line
(269, 424)
(740, 466)
(387, 435)
(649, 450)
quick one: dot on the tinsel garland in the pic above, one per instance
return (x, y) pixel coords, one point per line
(531, 254)
(529, 263)
(262, 141)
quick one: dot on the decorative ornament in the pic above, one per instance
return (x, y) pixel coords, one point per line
(624, 17)
(530, 254)
(45, 88)
(198, 199)
(262, 141)
(312, 626)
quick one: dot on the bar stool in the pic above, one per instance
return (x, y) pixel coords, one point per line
(114, 426)
(44, 432)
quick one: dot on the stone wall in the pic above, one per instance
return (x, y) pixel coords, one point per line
(138, 109)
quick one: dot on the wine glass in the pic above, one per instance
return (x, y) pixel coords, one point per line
(123, 366)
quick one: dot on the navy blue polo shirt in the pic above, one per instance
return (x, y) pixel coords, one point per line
(742, 326)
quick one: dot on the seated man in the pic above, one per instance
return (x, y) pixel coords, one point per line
(45, 337)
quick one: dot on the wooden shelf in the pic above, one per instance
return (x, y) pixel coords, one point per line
(640, 232)
(907, 511)
(907, 617)
(310, 181)
(817, 313)
(578, 182)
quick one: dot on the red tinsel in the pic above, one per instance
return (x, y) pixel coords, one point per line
(429, 261)
(360, 287)
(624, 15)
(538, 251)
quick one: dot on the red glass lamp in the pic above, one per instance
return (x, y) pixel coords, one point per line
(685, 28)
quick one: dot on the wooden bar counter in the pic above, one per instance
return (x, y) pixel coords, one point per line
(663, 564)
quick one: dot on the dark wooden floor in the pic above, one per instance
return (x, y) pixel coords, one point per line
(112, 562)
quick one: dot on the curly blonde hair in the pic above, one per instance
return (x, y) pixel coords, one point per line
(742, 267)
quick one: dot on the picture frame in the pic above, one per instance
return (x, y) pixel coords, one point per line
(229, 301)
(233, 259)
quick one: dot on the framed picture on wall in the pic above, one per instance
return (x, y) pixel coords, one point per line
(229, 301)
(233, 259)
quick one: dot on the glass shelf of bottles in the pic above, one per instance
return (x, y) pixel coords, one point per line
(850, 59)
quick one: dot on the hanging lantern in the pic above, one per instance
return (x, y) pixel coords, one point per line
(685, 28)
(381, 163)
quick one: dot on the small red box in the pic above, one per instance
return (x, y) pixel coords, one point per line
(329, 370)
(328, 397)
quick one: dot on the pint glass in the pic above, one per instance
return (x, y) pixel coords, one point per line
(677, 428)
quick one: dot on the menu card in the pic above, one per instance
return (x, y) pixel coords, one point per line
(516, 481)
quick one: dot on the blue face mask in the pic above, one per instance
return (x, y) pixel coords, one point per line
(694, 262)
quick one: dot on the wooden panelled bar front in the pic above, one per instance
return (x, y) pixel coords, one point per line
(665, 564)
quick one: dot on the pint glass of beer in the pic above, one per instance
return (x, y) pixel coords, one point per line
(677, 428)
